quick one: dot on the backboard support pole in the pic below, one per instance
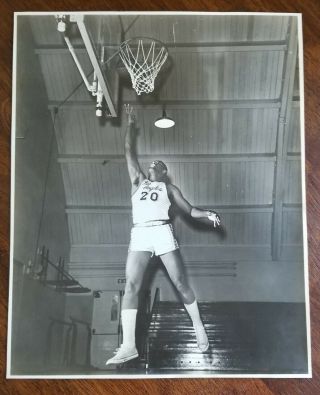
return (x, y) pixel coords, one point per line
(94, 58)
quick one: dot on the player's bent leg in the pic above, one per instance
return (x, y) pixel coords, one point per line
(174, 266)
(136, 265)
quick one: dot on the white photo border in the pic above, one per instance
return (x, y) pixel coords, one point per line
(9, 375)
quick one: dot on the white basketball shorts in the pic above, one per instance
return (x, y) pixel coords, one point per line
(157, 239)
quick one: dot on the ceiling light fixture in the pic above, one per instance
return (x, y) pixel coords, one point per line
(164, 122)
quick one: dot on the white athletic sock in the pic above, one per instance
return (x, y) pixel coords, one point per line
(193, 311)
(128, 317)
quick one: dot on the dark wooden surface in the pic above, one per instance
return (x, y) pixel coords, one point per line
(311, 30)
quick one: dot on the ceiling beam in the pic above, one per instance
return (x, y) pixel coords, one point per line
(267, 208)
(190, 158)
(226, 48)
(127, 209)
(282, 139)
(231, 209)
(176, 104)
(186, 47)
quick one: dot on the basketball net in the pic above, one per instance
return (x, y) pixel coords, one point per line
(143, 59)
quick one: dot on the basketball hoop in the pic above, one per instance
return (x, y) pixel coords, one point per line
(143, 58)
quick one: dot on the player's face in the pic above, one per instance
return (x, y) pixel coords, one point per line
(155, 174)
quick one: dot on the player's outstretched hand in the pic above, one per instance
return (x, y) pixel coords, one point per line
(129, 111)
(214, 217)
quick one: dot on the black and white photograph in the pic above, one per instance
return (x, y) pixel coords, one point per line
(158, 203)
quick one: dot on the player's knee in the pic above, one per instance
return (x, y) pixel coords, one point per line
(132, 286)
(180, 284)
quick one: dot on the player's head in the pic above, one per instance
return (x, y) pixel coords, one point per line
(157, 171)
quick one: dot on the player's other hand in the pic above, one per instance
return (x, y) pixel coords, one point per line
(129, 112)
(214, 217)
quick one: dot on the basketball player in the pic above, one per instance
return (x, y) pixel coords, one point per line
(152, 234)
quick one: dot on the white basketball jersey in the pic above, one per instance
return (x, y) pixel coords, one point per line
(150, 202)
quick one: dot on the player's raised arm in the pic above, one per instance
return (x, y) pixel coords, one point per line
(135, 173)
(187, 208)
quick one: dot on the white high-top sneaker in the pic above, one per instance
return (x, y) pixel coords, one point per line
(202, 338)
(123, 354)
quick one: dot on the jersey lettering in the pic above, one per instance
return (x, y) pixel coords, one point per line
(150, 202)
(154, 196)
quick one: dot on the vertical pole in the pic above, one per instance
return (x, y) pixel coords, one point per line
(281, 147)
(88, 360)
